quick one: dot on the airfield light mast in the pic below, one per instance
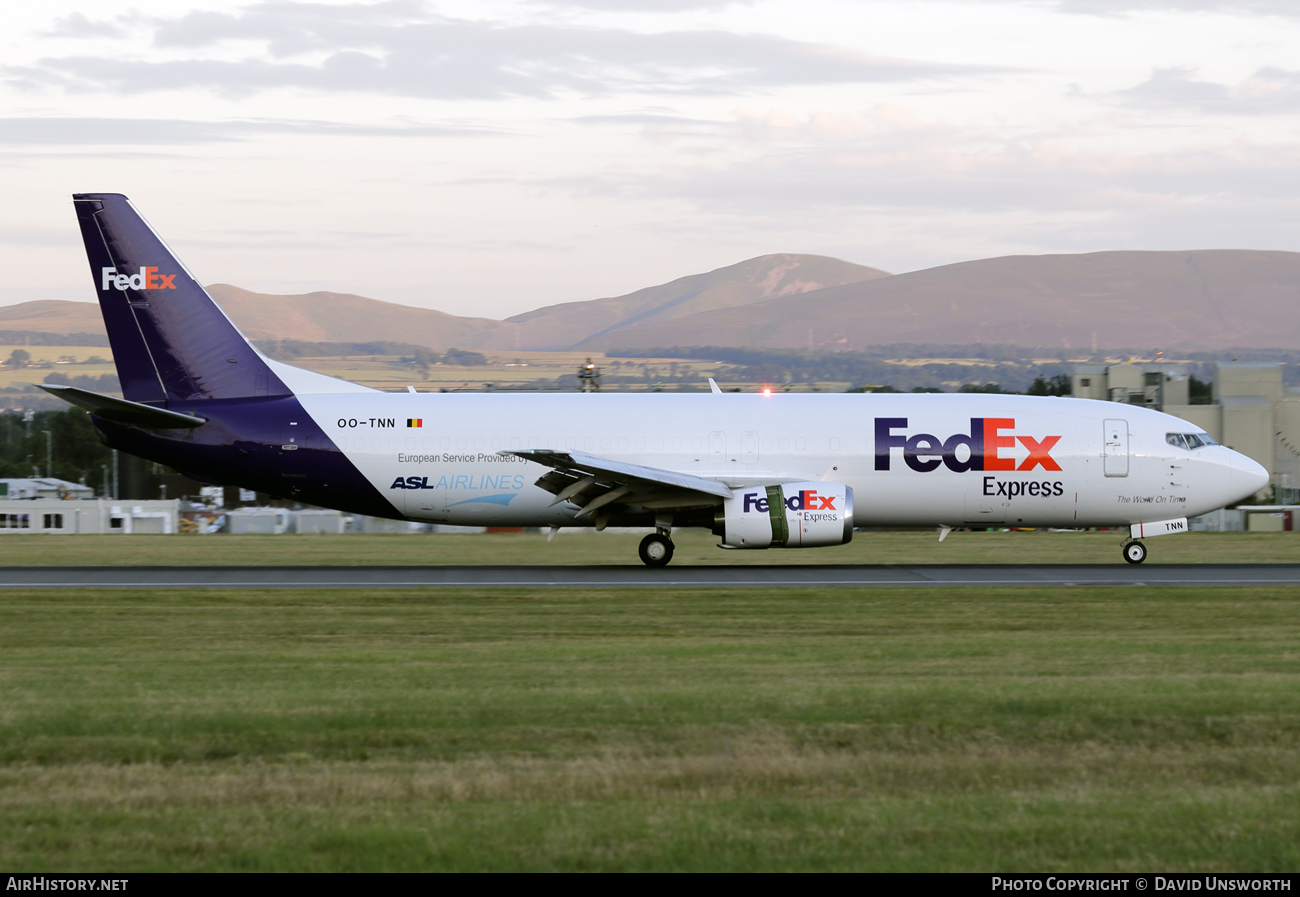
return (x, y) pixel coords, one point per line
(589, 377)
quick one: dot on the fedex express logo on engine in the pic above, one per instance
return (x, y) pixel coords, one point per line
(984, 445)
(147, 279)
(803, 500)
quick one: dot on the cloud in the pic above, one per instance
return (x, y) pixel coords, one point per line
(642, 5)
(1285, 8)
(70, 131)
(902, 206)
(77, 25)
(828, 166)
(1270, 91)
(403, 49)
(34, 236)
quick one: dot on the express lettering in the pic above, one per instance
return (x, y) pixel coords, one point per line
(147, 279)
(984, 445)
(804, 500)
(1013, 488)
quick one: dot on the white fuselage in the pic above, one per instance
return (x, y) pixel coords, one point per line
(447, 468)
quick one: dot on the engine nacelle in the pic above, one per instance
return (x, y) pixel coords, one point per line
(789, 515)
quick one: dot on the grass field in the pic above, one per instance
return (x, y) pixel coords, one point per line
(978, 729)
(588, 547)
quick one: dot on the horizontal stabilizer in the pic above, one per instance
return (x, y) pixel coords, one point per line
(122, 411)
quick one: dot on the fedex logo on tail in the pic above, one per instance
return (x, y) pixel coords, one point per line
(984, 447)
(147, 279)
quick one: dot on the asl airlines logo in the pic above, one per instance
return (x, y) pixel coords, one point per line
(983, 446)
(147, 279)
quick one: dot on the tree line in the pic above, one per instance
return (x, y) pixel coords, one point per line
(74, 446)
(867, 371)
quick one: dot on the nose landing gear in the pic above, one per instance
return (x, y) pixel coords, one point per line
(1134, 552)
(656, 550)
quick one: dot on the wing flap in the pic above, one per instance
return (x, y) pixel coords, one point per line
(576, 476)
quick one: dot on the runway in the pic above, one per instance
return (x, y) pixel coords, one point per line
(641, 577)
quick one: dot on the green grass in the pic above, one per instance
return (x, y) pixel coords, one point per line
(973, 729)
(694, 547)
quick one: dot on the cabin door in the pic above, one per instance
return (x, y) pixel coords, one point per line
(1114, 456)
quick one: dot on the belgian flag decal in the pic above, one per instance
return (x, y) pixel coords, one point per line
(415, 422)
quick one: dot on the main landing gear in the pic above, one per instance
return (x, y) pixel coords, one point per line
(656, 550)
(1135, 552)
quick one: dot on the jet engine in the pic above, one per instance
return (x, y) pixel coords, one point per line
(788, 515)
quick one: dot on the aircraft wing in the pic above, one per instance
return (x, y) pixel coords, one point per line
(592, 482)
(122, 410)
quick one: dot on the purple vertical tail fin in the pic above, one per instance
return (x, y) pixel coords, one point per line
(170, 340)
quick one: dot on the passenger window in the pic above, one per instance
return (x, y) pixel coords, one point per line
(1176, 439)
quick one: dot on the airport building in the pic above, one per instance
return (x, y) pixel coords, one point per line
(1249, 411)
(43, 487)
(78, 517)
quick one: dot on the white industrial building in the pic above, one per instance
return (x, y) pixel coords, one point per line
(102, 515)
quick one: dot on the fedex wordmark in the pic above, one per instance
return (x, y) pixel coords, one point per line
(983, 446)
(147, 279)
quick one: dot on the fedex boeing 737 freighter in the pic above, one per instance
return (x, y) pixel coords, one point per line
(758, 470)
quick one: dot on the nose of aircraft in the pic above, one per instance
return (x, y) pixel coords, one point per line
(1245, 477)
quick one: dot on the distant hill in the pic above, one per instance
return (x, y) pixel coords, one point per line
(736, 286)
(1203, 300)
(343, 317)
(52, 316)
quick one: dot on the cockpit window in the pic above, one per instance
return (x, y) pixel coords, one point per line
(1189, 440)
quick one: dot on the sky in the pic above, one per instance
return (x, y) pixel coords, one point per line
(486, 158)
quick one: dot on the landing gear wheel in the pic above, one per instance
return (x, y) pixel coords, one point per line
(656, 550)
(1135, 552)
